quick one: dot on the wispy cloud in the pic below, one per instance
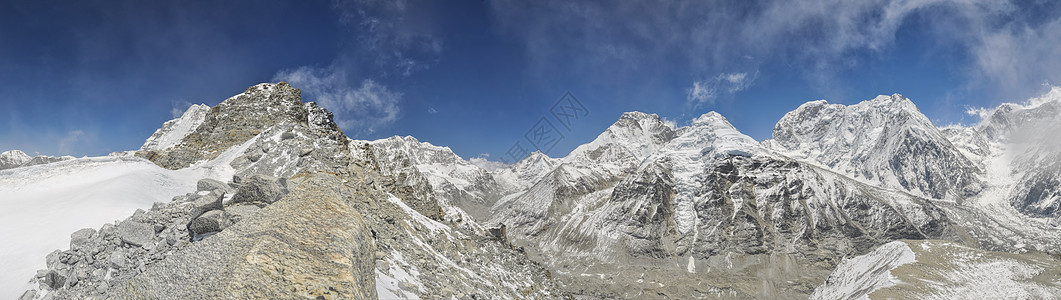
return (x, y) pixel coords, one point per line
(385, 47)
(706, 91)
(1020, 56)
(363, 108)
(1012, 43)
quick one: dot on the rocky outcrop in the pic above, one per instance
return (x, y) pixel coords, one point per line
(233, 122)
(266, 257)
(99, 260)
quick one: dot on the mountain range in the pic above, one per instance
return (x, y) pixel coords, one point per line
(263, 196)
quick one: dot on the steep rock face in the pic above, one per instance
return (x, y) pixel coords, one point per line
(232, 122)
(588, 172)
(885, 141)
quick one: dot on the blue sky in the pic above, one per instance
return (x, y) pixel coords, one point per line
(93, 77)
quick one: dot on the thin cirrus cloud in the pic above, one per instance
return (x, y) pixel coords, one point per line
(1005, 46)
(706, 92)
(385, 46)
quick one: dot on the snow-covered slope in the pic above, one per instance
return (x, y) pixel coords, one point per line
(43, 204)
(885, 141)
(524, 173)
(1027, 138)
(857, 276)
(173, 131)
(930, 269)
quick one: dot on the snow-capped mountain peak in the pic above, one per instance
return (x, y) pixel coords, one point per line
(417, 152)
(13, 158)
(629, 140)
(712, 135)
(885, 141)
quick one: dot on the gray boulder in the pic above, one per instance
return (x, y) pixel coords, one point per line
(211, 221)
(79, 239)
(117, 259)
(54, 280)
(258, 188)
(136, 233)
(207, 184)
(211, 201)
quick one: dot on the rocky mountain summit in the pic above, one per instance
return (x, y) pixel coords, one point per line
(846, 201)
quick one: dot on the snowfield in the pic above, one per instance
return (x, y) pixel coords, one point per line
(41, 205)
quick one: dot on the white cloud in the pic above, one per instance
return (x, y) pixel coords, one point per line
(483, 161)
(701, 93)
(1012, 44)
(362, 108)
(432, 110)
(385, 45)
(1020, 57)
(705, 92)
(979, 112)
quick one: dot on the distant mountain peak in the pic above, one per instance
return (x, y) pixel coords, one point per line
(885, 141)
(712, 134)
(13, 158)
(634, 137)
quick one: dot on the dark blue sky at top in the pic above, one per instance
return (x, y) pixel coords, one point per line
(93, 77)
